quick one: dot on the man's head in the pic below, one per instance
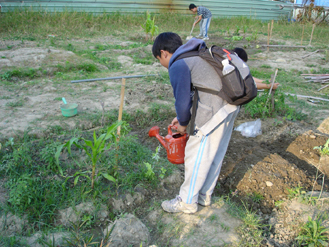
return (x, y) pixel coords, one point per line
(193, 8)
(165, 45)
(241, 53)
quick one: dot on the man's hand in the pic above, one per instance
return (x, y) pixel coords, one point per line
(179, 128)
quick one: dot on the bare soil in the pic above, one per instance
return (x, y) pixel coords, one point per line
(266, 166)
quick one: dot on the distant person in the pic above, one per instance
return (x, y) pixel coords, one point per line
(259, 83)
(204, 17)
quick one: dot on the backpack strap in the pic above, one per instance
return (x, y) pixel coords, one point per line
(195, 102)
(187, 54)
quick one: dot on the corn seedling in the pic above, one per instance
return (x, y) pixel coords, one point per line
(149, 26)
(94, 149)
(313, 234)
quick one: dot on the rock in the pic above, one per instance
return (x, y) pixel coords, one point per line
(128, 231)
(11, 225)
(72, 215)
(269, 184)
(56, 239)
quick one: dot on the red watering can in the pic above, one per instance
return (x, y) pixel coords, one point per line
(173, 143)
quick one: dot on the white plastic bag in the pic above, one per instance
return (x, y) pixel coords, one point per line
(250, 129)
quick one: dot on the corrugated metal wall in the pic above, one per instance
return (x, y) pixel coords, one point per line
(259, 9)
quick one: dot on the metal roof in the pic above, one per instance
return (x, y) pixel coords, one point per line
(258, 9)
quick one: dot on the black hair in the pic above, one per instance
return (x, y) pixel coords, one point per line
(192, 6)
(241, 53)
(166, 41)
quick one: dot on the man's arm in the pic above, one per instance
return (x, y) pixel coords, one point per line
(197, 19)
(261, 85)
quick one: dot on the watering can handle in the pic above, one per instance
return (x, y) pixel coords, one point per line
(171, 126)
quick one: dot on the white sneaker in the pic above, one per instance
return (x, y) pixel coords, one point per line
(176, 205)
(199, 36)
(205, 38)
(204, 200)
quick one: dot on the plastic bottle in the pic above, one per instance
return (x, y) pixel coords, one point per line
(227, 67)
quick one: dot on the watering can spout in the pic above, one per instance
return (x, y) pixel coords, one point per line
(154, 132)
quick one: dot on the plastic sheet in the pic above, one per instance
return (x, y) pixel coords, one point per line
(250, 129)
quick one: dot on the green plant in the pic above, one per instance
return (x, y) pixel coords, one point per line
(313, 234)
(48, 156)
(149, 173)
(257, 197)
(295, 192)
(237, 31)
(15, 103)
(324, 150)
(94, 149)
(149, 26)
(163, 172)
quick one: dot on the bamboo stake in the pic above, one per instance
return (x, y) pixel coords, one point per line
(271, 29)
(270, 92)
(310, 54)
(301, 42)
(323, 87)
(304, 96)
(312, 34)
(268, 37)
(294, 46)
(122, 96)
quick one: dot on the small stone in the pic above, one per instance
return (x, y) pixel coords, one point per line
(312, 136)
(269, 184)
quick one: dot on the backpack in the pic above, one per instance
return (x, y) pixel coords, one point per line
(238, 86)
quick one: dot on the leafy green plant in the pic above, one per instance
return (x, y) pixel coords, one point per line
(149, 26)
(295, 192)
(257, 197)
(162, 172)
(237, 30)
(324, 150)
(149, 173)
(94, 149)
(48, 156)
(313, 234)
(20, 194)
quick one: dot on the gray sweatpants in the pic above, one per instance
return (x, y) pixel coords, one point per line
(203, 160)
(204, 26)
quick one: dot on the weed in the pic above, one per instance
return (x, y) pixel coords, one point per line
(224, 227)
(149, 173)
(48, 156)
(251, 230)
(213, 218)
(324, 150)
(295, 192)
(15, 103)
(257, 197)
(313, 234)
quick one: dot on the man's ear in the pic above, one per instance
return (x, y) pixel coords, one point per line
(164, 54)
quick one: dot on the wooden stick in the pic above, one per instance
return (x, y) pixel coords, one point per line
(271, 29)
(323, 87)
(312, 34)
(310, 54)
(294, 46)
(301, 42)
(305, 96)
(268, 37)
(122, 96)
(269, 93)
